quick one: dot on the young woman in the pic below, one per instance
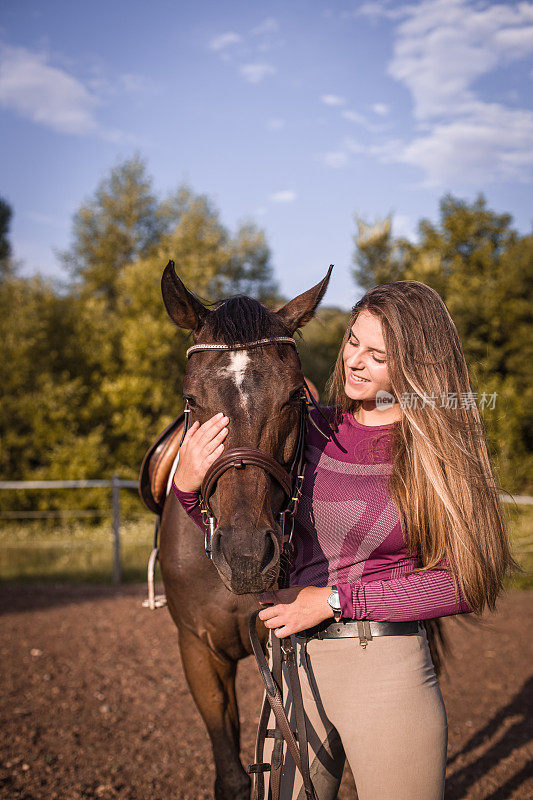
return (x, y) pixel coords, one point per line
(399, 521)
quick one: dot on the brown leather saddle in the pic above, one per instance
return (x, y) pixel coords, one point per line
(157, 463)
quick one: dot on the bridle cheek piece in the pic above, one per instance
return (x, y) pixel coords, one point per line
(290, 480)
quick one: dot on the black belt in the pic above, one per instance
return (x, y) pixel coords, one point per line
(360, 629)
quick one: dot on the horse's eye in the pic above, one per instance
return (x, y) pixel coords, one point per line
(190, 401)
(296, 395)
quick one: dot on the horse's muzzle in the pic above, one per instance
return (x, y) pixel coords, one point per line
(247, 561)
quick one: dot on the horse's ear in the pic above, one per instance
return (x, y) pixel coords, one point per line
(182, 307)
(298, 311)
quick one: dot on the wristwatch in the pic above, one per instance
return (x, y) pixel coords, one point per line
(335, 604)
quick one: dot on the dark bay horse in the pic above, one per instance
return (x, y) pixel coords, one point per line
(211, 601)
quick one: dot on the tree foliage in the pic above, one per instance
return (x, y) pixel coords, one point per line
(6, 264)
(482, 268)
(90, 375)
(120, 223)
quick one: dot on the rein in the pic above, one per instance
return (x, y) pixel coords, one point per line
(290, 481)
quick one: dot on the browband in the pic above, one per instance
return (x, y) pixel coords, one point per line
(245, 346)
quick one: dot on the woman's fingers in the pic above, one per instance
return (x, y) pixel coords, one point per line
(268, 613)
(192, 430)
(214, 443)
(276, 622)
(203, 438)
(214, 455)
(209, 429)
(202, 445)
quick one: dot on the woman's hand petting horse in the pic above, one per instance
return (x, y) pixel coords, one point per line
(202, 445)
(295, 608)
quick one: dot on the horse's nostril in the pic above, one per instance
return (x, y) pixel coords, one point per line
(270, 551)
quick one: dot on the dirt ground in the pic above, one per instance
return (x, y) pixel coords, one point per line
(94, 703)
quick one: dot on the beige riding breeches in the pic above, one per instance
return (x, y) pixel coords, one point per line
(380, 707)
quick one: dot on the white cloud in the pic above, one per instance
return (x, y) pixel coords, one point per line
(446, 45)
(335, 159)
(116, 136)
(375, 10)
(45, 94)
(333, 100)
(360, 119)
(48, 95)
(276, 124)
(258, 41)
(254, 73)
(442, 48)
(353, 146)
(224, 40)
(285, 196)
(354, 116)
(388, 151)
(136, 84)
(268, 25)
(381, 109)
(492, 143)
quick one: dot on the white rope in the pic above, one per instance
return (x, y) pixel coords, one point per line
(153, 601)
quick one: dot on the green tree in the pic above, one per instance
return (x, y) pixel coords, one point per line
(376, 259)
(119, 224)
(145, 394)
(92, 372)
(44, 399)
(212, 262)
(6, 264)
(129, 356)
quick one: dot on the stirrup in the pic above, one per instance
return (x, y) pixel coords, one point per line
(153, 601)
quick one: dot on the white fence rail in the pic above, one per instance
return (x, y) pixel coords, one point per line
(115, 484)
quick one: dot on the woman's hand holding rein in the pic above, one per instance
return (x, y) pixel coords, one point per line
(202, 445)
(294, 609)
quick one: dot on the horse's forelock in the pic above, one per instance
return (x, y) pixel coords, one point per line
(243, 319)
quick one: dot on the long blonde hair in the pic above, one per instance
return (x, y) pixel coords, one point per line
(442, 481)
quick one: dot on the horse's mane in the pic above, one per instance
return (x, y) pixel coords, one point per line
(242, 319)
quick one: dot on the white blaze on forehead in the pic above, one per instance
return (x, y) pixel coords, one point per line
(236, 369)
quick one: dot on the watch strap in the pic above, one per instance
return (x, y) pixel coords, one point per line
(336, 613)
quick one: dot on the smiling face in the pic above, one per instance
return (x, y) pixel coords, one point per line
(365, 359)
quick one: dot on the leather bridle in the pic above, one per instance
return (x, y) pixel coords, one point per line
(290, 480)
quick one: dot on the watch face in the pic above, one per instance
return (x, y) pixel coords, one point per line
(334, 602)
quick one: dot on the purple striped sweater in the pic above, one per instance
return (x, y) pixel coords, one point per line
(347, 531)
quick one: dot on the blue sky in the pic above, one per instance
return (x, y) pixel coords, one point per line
(295, 114)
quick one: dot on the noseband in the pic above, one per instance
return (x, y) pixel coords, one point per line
(241, 457)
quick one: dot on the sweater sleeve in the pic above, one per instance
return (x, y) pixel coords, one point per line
(190, 502)
(422, 595)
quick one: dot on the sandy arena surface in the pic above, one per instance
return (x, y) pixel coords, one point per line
(94, 703)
